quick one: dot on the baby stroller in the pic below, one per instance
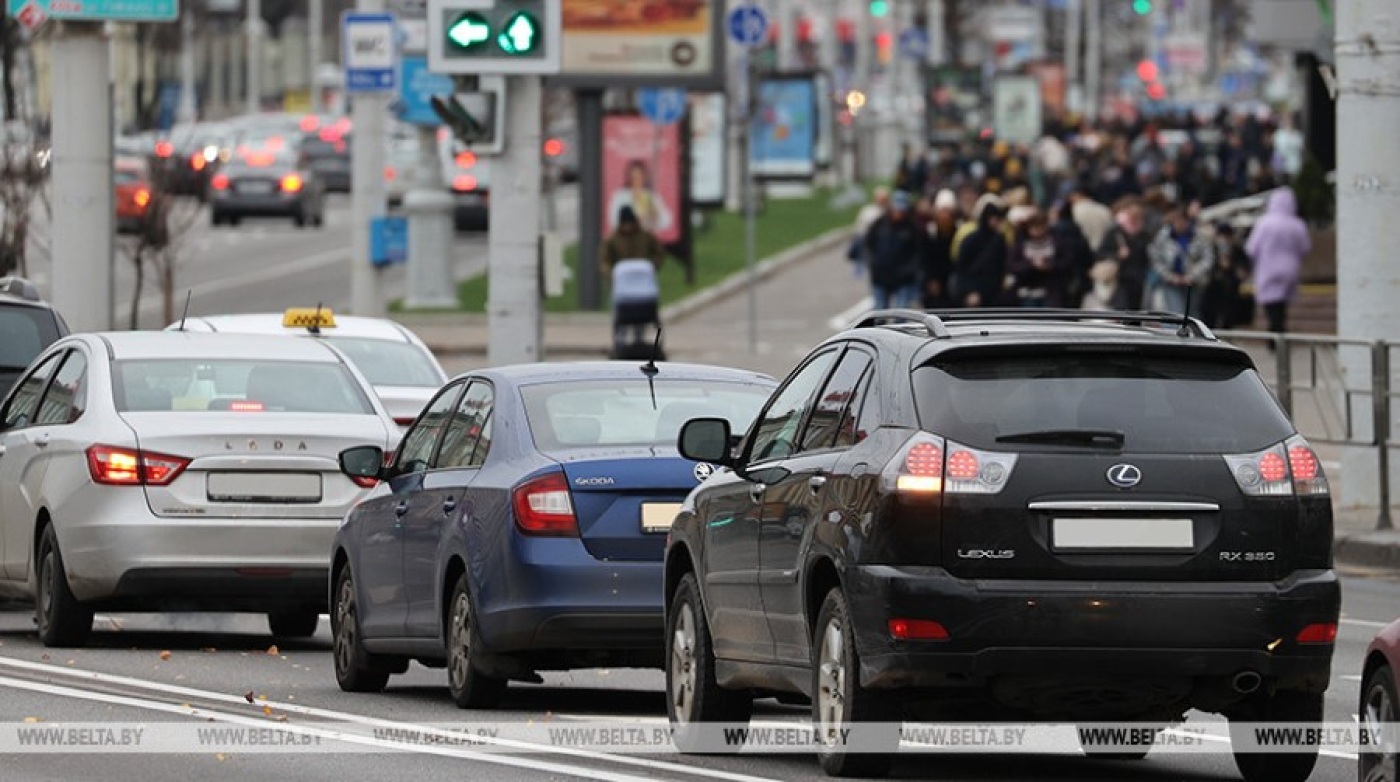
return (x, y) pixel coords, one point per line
(635, 306)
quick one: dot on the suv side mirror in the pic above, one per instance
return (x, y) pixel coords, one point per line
(706, 440)
(363, 461)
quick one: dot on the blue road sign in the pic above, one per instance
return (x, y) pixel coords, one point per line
(662, 106)
(369, 52)
(748, 25)
(102, 10)
(388, 240)
(419, 85)
(914, 44)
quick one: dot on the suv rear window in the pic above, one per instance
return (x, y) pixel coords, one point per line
(1161, 404)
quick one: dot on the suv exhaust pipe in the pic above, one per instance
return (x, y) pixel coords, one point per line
(1246, 682)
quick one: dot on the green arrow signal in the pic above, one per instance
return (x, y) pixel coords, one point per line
(469, 31)
(519, 34)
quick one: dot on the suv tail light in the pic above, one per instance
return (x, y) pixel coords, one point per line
(544, 507)
(928, 464)
(1284, 470)
(116, 466)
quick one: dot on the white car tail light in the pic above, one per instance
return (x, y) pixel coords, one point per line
(114, 466)
(1284, 470)
(928, 464)
(543, 507)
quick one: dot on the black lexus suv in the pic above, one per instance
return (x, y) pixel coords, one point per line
(1045, 515)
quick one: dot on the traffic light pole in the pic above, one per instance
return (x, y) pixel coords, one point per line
(590, 184)
(81, 285)
(429, 210)
(513, 277)
(369, 115)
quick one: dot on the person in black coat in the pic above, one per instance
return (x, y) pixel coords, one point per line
(894, 246)
(981, 268)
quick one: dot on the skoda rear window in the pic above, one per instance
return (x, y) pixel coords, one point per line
(199, 385)
(622, 412)
(1159, 404)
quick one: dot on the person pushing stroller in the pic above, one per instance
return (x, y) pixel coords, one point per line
(630, 257)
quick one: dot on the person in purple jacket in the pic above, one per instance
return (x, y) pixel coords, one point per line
(1277, 246)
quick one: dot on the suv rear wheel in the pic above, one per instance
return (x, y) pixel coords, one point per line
(697, 706)
(63, 621)
(1304, 708)
(858, 728)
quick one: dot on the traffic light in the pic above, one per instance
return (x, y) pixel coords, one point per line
(1142, 7)
(1147, 70)
(884, 47)
(463, 124)
(494, 36)
(1156, 91)
(879, 8)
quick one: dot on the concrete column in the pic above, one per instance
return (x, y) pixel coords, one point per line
(254, 59)
(187, 109)
(81, 286)
(513, 282)
(787, 35)
(429, 209)
(314, 31)
(1093, 48)
(1368, 198)
(370, 114)
(1073, 23)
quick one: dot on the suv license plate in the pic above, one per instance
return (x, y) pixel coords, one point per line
(657, 516)
(1099, 534)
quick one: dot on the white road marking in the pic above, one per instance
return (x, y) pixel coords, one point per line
(842, 321)
(1365, 623)
(1350, 677)
(305, 730)
(82, 674)
(272, 274)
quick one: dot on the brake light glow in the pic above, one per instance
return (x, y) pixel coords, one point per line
(543, 507)
(970, 471)
(1302, 462)
(553, 148)
(1272, 468)
(246, 407)
(963, 466)
(164, 149)
(142, 197)
(464, 183)
(1308, 480)
(917, 630)
(276, 144)
(390, 174)
(219, 182)
(310, 122)
(329, 134)
(116, 466)
(197, 161)
(465, 159)
(364, 483)
(924, 459)
(291, 183)
(1322, 633)
(1291, 468)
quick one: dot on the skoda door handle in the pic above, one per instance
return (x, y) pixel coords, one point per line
(449, 505)
(756, 492)
(41, 440)
(401, 509)
(816, 482)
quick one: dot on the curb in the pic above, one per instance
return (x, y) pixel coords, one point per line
(1379, 549)
(762, 270)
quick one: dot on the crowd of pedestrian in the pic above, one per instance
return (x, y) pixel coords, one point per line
(1094, 217)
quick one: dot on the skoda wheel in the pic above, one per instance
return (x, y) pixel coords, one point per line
(470, 688)
(355, 670)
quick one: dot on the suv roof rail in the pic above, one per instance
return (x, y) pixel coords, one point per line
(20, 287)
(929, 320)
(936, 321)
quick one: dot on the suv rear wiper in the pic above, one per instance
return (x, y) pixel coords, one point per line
(1089, 438)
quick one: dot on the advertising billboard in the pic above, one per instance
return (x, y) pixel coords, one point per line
(707, 148)
(629, 43)
(783, 134)
(642, 170)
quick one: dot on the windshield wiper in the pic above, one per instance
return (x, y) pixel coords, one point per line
(1088, 438)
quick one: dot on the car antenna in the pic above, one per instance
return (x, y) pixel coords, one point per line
(188, 293)
(1185, 328)
(650, 369)
(315, 327)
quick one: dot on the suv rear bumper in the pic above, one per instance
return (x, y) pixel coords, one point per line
(1058, 628)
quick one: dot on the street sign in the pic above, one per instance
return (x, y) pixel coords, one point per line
(96, 10)
(914, 44)
(419, 85)
(662, 106)
(388, 241)
(370, 52)
(31, 17)
(748, 25)
(494, 36)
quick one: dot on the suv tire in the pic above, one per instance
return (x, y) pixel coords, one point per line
(1304, 708)
(63, 621)
(839, 703)
(355, 669)
(470, 688)
(697, 706)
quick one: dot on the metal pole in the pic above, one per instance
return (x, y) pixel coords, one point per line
(1283, 359)
(187, 110)
(254, 63)
(1380, 406)
(1074, 22)
(429, 210)
(315, 31)
(1093, 50)
(787, 35)
(1368, 154)
(750, 216)
(81, 286)
(369, 114)
(513, 278)
(590, 185)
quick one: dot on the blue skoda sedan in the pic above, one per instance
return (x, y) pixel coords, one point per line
(521, 524)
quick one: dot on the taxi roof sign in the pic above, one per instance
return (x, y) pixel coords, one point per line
(310, 318)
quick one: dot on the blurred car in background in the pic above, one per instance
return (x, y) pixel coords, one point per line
(28, 325)
(267, 183)
(135, 197)
(325, 144)
(184, 159)
(468, 177)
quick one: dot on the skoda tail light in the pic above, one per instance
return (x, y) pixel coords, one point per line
(544, 507)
